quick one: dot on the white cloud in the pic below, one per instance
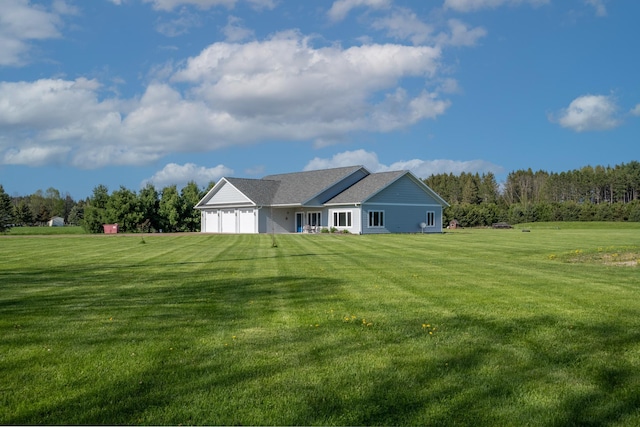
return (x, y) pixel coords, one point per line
(588, 113)
(462, 35)
(48, 104)
(636, 111)
(181, 175)
(347, 158)
(404, 24)
(230, 94)
(598, 5)
(425, 168)
(169, 5)
(311, 93)
(234, 31)
(420, 168)
(263, 4)
(35, 156)
(22, 23)
(473, 5)
(398, 111)
(341, 8)
(179, 25)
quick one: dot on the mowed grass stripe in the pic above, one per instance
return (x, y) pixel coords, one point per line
(479, 327)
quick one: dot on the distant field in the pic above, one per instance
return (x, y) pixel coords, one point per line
(32, 231)
(581, 225)
(474, 327)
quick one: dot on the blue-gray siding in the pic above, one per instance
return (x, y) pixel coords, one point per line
(404, 190)
(405, 206)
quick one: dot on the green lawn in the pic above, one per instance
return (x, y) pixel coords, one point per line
(31, 231)
(471, 327)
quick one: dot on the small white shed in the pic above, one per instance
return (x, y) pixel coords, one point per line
(56, 221)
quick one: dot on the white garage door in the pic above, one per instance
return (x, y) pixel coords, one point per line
(228, 221)
(246, 221)
(211, 221)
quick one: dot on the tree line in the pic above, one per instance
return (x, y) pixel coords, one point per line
(149, 210)
(587, 194)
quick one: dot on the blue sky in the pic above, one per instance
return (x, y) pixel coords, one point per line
(126, 92)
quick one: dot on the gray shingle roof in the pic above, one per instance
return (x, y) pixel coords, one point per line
(300, 187)
(365, 188)
(260, 191)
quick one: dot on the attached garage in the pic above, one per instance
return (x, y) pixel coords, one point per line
(247, 221)
(211, 223)
(228, 221)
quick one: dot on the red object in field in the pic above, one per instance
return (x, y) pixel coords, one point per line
(110, 228)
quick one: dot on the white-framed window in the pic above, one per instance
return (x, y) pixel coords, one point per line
(376, 219)
(314, 219)
(342, 219)
(431, 219)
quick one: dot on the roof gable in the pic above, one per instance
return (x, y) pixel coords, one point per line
(259, 191)
(237, 191)
(365, 188)
(337, 186)
(303, 187)
(375, 184)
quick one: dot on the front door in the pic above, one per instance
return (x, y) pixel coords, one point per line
(299, 221)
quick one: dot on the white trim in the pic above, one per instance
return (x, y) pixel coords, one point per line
(389, 204)
(369, 212)
(434, 219)
(348, 218)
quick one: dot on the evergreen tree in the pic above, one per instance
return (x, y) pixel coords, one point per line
(76, 215)
(470, 188)
(95, 212)
(489, 189)
(6, 211)
(22, 213)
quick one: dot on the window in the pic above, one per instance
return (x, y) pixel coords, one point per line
(431, 219)
(376, 218)
(342, 219)
(313, 219)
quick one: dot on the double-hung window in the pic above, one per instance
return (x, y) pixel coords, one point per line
(376, 219)
(342, 219)
(431, 219)
(313, 219)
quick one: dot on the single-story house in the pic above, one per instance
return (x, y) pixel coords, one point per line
(347, 199)
(56, 221)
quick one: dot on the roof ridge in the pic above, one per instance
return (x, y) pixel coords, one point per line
(354, 167)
